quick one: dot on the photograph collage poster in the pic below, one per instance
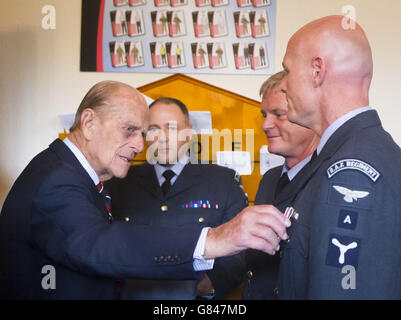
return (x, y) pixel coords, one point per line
(179, 36)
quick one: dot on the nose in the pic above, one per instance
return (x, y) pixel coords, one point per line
(137, 143)
(268, 123)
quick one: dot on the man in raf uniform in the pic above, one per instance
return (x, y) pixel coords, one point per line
(345, 242)
(296, 144)
(175, 193)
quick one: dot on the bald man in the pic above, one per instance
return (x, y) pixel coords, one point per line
(345, 243)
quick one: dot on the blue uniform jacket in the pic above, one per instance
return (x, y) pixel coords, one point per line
(346, 242)
(55, 216)
(202, 196)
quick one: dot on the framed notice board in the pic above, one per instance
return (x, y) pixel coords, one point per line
(178, 36)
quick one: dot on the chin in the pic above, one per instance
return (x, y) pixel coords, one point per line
(274, 149)
(121, 174)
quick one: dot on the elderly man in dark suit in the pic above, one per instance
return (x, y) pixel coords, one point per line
(57, 235)
(346, 241)
(296, 144)
(170, 190)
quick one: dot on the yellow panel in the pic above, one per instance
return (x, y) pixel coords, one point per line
(251, 182)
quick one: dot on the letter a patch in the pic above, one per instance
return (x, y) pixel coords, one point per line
(347, 219)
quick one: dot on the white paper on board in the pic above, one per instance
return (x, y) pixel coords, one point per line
(269, 160)
(201, 121)
(67, 120)
(239, 161)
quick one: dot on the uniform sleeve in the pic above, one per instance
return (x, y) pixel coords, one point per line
(355, 237)
(69, 228)
(228, 272)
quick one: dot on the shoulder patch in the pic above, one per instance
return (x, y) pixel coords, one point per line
(353, 164)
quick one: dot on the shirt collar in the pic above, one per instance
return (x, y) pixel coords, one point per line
(337, 124)
(295, 169)
(82, 160)
(176, 168)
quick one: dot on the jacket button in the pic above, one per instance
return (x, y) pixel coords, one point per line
(127, 219)
(249, 274)
(164, 208)
(201, 219)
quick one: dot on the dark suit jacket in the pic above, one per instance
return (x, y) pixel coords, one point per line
(55, 216)
(262, 269)
(138, 199)
(363, 158)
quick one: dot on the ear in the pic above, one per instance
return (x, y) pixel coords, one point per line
(189, 137)
(88, 123)
(318, 71)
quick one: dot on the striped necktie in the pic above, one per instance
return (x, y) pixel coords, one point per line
(106, 198)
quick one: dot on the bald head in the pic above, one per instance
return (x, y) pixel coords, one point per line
(347, 51)
(335, 66)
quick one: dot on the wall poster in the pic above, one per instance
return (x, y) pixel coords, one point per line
(185, 36)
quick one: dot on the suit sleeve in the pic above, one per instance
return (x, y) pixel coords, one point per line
(69, 228)
(228, 272)
(267, 186)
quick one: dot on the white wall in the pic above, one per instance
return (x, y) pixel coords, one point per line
(40, 77)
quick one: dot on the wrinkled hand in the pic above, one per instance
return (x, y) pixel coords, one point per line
(257, 227)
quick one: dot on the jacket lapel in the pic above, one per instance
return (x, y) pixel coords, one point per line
(66, 155)
(148, 180)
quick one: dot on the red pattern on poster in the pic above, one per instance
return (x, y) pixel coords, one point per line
(115, 59)
(172, 61)
(213, 62)
(117, 29)
(132, 30)
(214, 30)
(173, 29)
(239, 62)
(198, 30)
(156, 60)
(240, 30)
(130, 60)
(99, 49)
(255, 62)
(157, 29)
(256, 30)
